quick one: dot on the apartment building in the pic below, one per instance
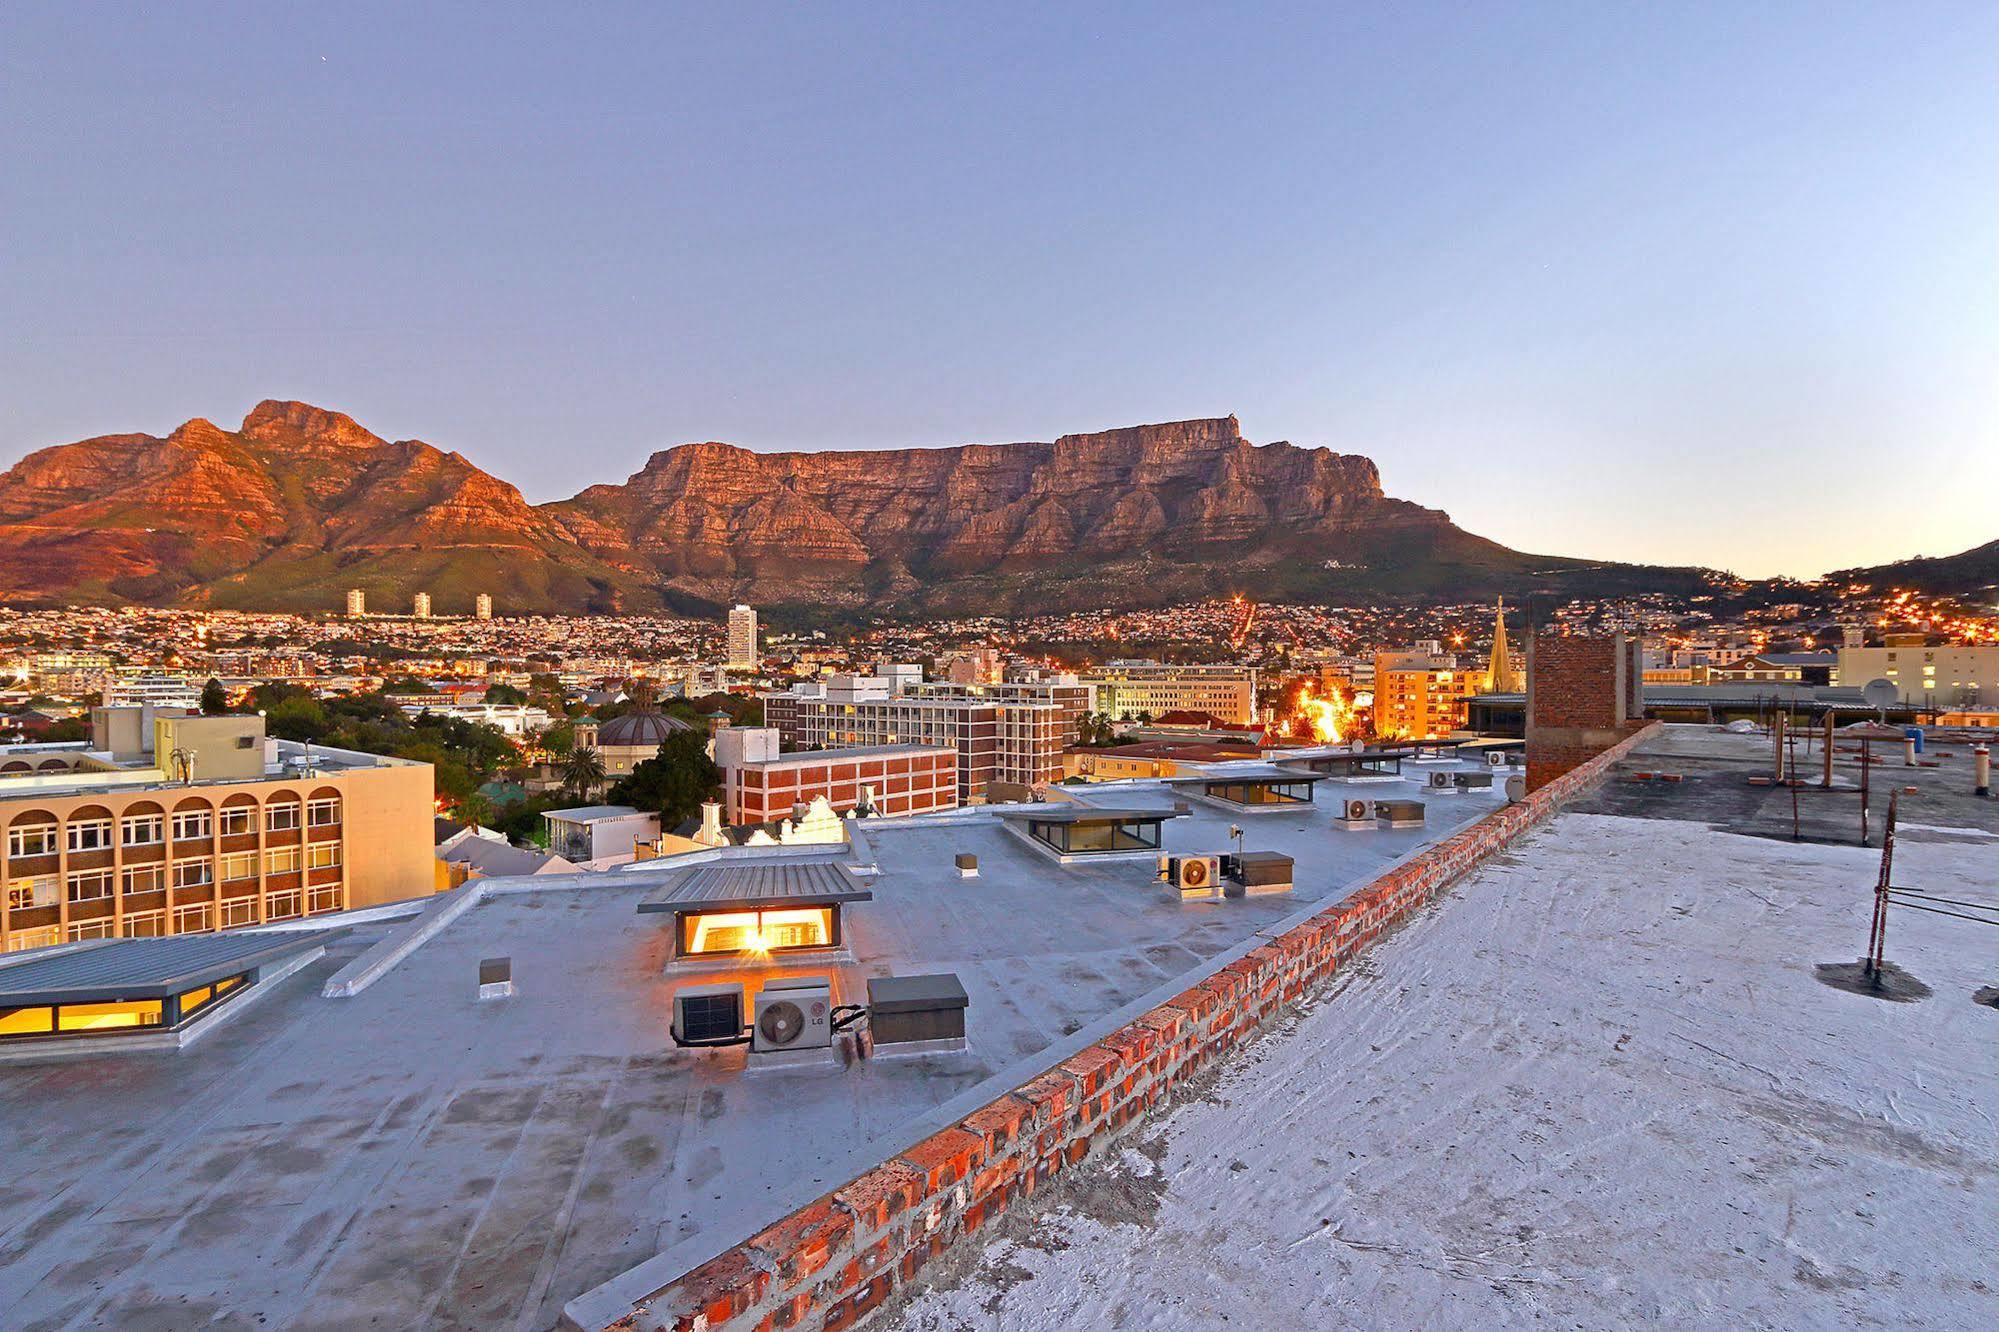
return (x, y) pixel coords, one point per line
(760, 783)
(743, 654)
(1065, 693)
(1422, 692)
(995, 739)
(1151, 688)
(199, 824)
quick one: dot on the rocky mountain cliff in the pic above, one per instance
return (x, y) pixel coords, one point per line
(300, 503)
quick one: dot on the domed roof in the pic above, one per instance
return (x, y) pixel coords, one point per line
(639, 730)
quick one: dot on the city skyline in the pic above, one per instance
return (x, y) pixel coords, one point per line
(1528, 264)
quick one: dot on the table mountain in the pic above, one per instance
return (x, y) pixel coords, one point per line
(300, 503)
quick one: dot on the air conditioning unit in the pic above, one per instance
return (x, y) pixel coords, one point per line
(708, 1015)
(1442, 781)
(1358, 811)
(1194, 876)
(1495, 758)
(793, 1013)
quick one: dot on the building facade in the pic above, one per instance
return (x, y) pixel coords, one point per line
(420, 606)
(1422, 692)
(216, 827)
(1135, 688)
(1948, 676)
(760, 784)
(1015, 743)
(357, 601)
(742, 654)
(482, 606)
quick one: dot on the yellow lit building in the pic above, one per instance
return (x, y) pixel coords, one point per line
(1423, 702)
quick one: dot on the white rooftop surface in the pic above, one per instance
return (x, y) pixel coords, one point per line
(413, 1157)
(1600, 1086)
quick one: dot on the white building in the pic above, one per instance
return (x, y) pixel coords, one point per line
(1227, 693)
(420, 608)
(357, 602)
(155, 688)
(1949, 676)
(482, 606)
(516, 719)
(743, 655)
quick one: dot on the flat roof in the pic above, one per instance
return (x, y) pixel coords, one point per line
(586, 813)
(745, 887)
(145, 968)
(1086, 814)
(1259, 772)
(849, 752)
(415, 1156)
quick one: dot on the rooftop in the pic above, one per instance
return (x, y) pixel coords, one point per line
(143, 968)
(590, 813)
(740, 887)
(1601, 1084)
(413, 1155)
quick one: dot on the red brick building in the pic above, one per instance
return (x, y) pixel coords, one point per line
(905, 779)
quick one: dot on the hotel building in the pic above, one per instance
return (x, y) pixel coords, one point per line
(165, 825)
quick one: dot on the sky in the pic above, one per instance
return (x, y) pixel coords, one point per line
(1687, 283)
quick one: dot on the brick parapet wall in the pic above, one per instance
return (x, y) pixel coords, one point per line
(836, 1260)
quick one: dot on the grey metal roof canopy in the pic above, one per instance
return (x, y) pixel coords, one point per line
(1266, 774)
(147, 968)
(757, 887)
(1088, 814)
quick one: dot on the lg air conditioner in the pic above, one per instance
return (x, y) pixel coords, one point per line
(1442, 781)
(1357, 811)
(793, 1013)
(1495, 758)
(708, 1015)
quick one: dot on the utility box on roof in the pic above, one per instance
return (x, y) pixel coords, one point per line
(907, 1009)
(1264, 872)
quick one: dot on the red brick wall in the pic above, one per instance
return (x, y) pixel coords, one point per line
(836, 1260)
(1584, 694)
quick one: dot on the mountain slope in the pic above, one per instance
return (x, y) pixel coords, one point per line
(299, 504)
(1974, 570)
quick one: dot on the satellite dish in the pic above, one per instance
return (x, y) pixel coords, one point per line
(1881, 694)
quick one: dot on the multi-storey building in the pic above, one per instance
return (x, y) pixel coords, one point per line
(1945, 676)
(743, 655)
(197, 824)
(996, 740)
(1422, 691)
(135, 689)
(420, 606)
(1066, 694)
(482, 606)
(357, 602)
(1227, 693)
(760, 784)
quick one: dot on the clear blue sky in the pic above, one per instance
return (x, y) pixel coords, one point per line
(1675, 282)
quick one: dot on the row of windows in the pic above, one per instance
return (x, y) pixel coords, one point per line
(189, 825)
(90, 885)
(193, 918)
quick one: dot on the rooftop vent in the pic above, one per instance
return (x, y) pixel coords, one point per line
(968, 865)
(496, 977)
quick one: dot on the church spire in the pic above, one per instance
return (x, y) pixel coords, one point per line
(1500, 677)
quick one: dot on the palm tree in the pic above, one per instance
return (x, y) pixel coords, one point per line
(583, 770)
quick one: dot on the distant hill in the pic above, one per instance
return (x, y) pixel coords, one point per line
(299, 504)
(1971, 571)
